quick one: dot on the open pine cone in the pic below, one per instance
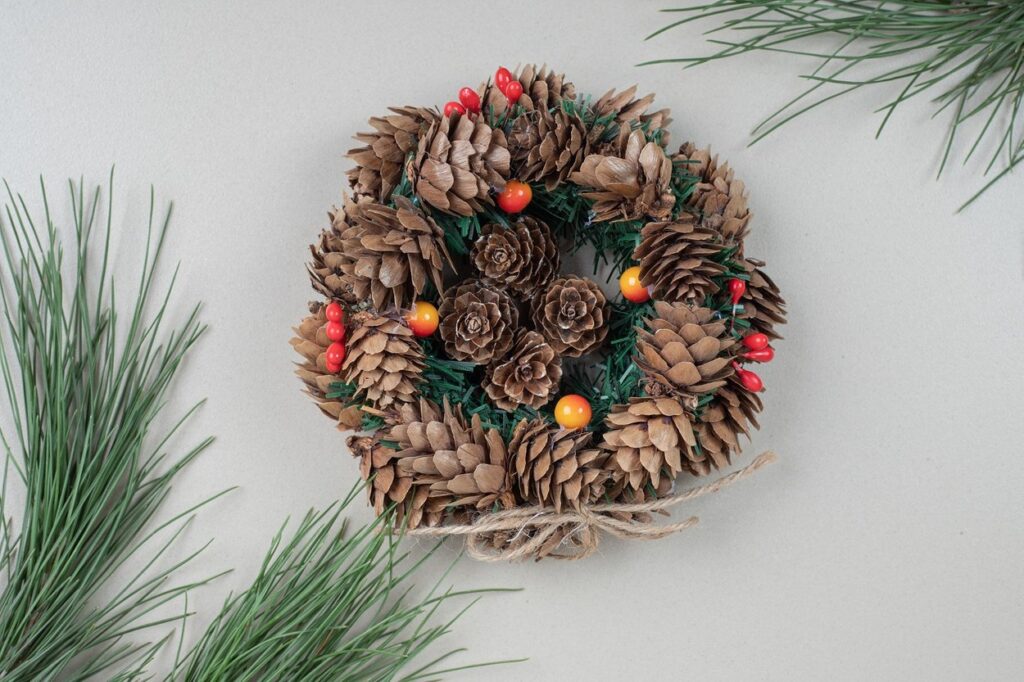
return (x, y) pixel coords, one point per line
(730, 413)
(378, 252)
(627, 111)
(383, 362)
(686, 352)
(458, 161)
(548, 146)
(572, 315)
(628, 179)
(719, 196)
(528, 376)
(762, 302)
(311, 343)
(676, 259)
(542, 90)
(647, 438)
(380, 161)
(477, 321)
(553, 467)
(522, 257)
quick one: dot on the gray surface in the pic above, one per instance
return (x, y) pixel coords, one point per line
(887, 544)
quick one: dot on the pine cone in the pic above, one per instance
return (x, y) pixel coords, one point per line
(459, 466)
(378, 252)
(730, 413)
(477, 321)
(630, 179)
(384, 362)
(458, 161)
(548, 146)
(311, 343)
(675, 259)
(543, 90)
(378, 460)
(381, 160)
(572, 315)
(647, 438)
(528, 376)
(718, 196)
(553, 468)
(687, 351)
(523, 257)
(762, 303)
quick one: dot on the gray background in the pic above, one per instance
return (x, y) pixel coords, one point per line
(886, 544)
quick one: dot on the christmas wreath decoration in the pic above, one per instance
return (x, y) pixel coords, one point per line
(500, 395)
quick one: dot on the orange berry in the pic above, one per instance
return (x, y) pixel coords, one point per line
(572, 411)
(423, 319)
(632, 289)
(515, 197)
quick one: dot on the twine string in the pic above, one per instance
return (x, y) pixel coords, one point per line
(573, 534)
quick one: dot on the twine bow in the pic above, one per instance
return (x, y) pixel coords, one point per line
(574, 534)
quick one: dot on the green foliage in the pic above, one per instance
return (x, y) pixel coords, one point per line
(329, 604)
(84, 388)
(966, 56)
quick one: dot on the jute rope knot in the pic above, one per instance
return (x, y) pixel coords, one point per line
(536, 532)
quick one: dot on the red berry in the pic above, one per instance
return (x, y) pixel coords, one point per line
(335, 331)
(513, 91)
(750, 381)
(515, 197)
(756, 341)
(502, 77)
(470, 99)
(737, 287)
(334, 312)
(333, 369)
(760, 355)
(335, 354)
(453, 108)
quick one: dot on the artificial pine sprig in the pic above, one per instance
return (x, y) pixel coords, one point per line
(84, 388)
(967, 56)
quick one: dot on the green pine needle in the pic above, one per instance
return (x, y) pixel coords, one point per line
(84, 388)
(966, 56)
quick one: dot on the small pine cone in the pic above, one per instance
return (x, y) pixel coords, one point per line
(458, 161)
(528, 376)
(675, 259)
(623, 107)
(458, 465)
(311, 343)
(762, 303)
(523, 257)
(380, 161)
(572, 315)
(548, 146)
(384, 362)
(687, 351)
(379, 253)
(647, 438)
(543, 90)
(553, 467)
(477, 321)
(389, 486)
(720, 197)
(628, 179)
(730, 413)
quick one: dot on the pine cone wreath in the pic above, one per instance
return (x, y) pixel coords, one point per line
(677, 259)
(383, 362)
(311, 343)
(380, 162)
(477, 321)
(523, 257)
(647, 438)
(719, 196)
(548, 146)
(528, 376)
(458, 161)
(572, 315)
(553, 467)
(686, 352)
(543, 90)
(762, 303)
(629, 179)
(380, 253)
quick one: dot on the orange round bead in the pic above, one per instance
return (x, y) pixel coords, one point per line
(515, 197)
(572, 411)
(632, 289)
(423, 319)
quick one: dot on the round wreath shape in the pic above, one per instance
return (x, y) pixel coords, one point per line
(499, 394)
